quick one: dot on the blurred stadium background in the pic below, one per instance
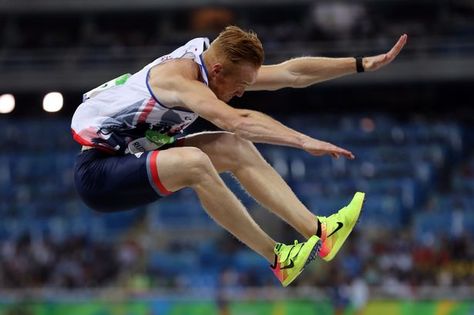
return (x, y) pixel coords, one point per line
(410, 126)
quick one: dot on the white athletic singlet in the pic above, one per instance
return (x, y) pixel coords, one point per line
(127, 117)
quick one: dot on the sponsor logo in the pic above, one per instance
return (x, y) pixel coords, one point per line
(339, 226)
(290, 265)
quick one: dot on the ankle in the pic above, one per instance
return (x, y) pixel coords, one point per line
(275, 261)
(318, 228)
(269, 253)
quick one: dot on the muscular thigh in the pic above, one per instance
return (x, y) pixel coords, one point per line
(225, 149)
(183, 167)
(119, 182)
(115, 182)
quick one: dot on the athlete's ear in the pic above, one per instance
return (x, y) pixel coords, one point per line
(216, 69)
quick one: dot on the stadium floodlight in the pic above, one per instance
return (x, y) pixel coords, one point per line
(7, 103)
(53, 102)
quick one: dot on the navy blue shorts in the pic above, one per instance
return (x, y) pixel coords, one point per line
(111, 183)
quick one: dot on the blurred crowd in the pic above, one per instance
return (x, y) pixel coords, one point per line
(75, 262)
(392, 262)
(298, 24)
(398, 248)
(398, 262)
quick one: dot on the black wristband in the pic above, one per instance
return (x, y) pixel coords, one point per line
(359, 65)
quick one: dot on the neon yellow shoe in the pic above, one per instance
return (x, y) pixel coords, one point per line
(290, 260)
(337, 227)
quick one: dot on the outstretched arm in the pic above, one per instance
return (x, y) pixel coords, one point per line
(251, 125)
(305, 71)
(176, 85)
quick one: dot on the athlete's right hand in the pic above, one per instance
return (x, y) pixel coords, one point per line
(319, 148)
(373, 63)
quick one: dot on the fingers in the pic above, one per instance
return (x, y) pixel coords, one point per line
(336, 152)
(341, 152)
(348, 155)
(318, 148)
(397, 47)
(376, 62)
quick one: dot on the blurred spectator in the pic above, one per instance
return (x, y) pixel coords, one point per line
(339, 293)
(398, 262)
(72, 263)
(340, 20)
(358, 295)
(211, 20)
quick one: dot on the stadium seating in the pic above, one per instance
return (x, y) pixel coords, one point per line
(398, 165)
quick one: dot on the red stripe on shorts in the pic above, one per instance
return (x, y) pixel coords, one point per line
(154, 174)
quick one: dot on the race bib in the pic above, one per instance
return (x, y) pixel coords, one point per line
(152, 141)
(107, 85)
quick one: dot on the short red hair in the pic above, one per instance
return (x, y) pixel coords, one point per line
(238, 46)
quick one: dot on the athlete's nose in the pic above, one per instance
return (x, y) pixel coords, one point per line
(239, 93)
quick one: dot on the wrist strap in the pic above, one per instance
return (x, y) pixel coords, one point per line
(359, 65)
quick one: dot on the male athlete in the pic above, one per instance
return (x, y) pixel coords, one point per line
(132, 152)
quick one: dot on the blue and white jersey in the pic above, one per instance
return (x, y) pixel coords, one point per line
(127, 117)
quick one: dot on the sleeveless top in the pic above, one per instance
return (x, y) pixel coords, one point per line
(124, 116)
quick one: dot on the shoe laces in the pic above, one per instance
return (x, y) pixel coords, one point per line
(290, 251)
(293, 251)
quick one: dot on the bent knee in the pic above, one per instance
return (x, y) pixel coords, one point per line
(182, 167)
(192, 156)
(195, 163)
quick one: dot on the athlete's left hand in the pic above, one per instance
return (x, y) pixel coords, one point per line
(317, 148)
(376, 62)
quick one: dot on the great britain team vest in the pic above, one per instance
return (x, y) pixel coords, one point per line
(124, 116)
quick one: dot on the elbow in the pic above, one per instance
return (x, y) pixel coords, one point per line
(228, 125)
(247, 128)
(303, 81)
(240, 129)
(238, 124)
(237, 121)
(231, 123)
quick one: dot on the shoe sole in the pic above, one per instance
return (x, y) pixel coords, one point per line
(329, 258)
(312, 256)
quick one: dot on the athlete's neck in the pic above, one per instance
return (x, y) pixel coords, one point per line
(208, 58)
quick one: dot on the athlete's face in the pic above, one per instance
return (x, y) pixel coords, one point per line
(231, 81)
